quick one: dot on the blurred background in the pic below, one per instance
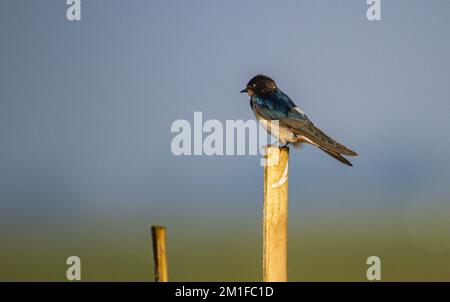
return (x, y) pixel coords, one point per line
(85, 159)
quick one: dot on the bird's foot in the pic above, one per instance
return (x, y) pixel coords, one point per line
(279, 145)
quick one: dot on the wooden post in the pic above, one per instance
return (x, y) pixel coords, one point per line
(159, 253)
(275, 215)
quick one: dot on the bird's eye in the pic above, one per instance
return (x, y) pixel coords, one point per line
(254, 85)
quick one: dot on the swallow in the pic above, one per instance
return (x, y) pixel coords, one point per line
(270, 104)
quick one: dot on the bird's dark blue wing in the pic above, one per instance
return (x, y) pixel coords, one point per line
(275, 106)
(278, 106)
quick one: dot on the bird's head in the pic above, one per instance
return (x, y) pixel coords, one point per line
(260, 85)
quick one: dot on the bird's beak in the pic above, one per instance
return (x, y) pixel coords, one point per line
(244, 90)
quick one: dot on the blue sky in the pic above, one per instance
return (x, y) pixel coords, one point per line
(86, 107)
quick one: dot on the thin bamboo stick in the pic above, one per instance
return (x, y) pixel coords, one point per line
(159, 253)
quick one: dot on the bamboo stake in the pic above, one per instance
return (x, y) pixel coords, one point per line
(159, 253)
(275, 215)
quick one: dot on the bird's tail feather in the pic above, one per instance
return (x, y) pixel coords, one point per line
(338, 156)
(344, 150)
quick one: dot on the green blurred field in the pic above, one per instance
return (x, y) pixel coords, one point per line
(323, 246)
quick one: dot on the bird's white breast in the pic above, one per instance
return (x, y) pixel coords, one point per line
(283, 134)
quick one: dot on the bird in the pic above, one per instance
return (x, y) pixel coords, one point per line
(270, 104)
